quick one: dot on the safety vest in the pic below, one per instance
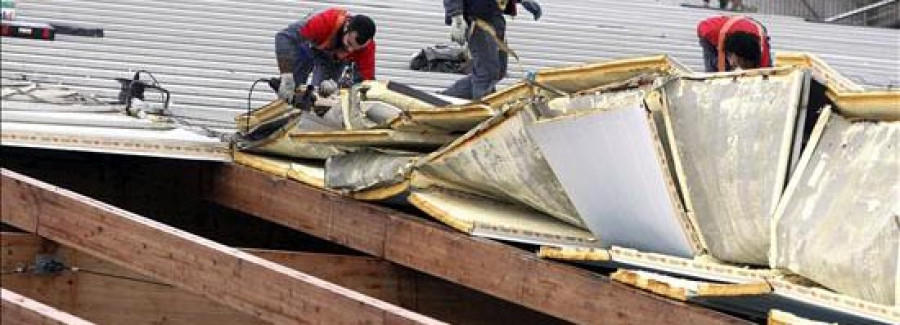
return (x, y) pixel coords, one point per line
(721, 64)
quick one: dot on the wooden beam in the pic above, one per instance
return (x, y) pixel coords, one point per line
(125, 297)
(103, 292)
(237, 279)
(18, 309)
(505, 272)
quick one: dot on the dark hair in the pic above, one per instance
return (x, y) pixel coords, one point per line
(363, 26)
(744, 45)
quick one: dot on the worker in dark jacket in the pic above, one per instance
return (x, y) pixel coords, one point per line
(730, 42)
(324, 44)
(488, 59)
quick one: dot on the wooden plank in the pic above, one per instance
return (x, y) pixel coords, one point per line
(240, 280)
(490, 267)
(18, 309)
(124, 297)
(105, 293)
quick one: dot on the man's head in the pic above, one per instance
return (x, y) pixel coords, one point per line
(358, 31)
(743, 50)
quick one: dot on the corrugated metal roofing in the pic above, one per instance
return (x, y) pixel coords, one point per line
(209, 52)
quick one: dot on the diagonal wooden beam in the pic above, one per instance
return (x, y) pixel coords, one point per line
(237, 279)
(18, 309)
(108, 294)
(505, 272)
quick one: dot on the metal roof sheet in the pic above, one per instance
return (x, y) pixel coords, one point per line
(208, 52)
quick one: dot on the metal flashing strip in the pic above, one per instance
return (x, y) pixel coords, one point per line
(374, 138)
(150, 147)
(802, 299)
(756, 299)
(691, 268)
(778, 317)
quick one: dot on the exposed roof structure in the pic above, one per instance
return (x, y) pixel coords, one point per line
(208, 53)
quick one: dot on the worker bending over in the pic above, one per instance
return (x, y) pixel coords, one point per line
(324, 44)
(473, 22)
(731, 42)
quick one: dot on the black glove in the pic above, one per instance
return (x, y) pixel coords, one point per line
(533, 7)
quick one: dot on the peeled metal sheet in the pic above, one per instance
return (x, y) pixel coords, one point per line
(367, 169)
(731, 136)
(839, 222)
(499, 160)
(610, 164)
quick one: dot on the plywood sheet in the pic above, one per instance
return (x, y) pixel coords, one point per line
(610, 165)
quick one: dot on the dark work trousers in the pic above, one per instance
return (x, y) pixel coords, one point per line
(306, 58)
(488, 63)
(711, 56)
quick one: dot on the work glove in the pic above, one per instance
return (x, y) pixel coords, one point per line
(458, 29)
(287, 87)
(533, 7)
(327, 87)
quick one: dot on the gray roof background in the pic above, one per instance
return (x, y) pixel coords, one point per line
(208, 52)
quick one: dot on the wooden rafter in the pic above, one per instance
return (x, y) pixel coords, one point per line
(18, 309)
(237, 279)
(502, 271)
(108, 294)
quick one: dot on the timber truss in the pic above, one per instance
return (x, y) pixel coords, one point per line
(108, 265)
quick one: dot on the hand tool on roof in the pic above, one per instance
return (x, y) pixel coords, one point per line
(12, 26)
(134, 88)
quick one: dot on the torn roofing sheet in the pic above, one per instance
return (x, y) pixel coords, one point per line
(368, 169)
(480, 216)
(55, 117)
(611, 166)
(839, 222)
(498, 159)
(731, 137)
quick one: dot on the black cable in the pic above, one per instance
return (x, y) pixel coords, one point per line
(249, 98)
(116, 276)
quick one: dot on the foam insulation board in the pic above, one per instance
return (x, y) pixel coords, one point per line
(731, 138)
(839, 222)
(485, 217)
(611, 166)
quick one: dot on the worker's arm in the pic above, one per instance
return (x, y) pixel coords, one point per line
(365, 61)
(533, 7)
(452, 8)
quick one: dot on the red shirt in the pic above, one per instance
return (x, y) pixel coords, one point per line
(711, 28)
(321, 30)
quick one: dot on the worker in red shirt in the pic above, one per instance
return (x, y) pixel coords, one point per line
(324, 44)
(731, 42)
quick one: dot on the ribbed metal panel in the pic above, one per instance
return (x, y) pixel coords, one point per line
(822, 8)
(208, 52)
